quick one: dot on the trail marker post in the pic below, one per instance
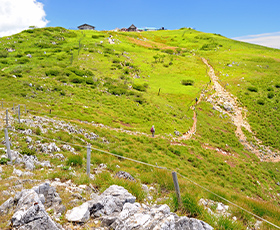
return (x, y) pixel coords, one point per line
(88, 160)
(8, 144)
(176, 185)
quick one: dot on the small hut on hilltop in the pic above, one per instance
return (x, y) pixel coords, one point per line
(86, 27)
(132, 28)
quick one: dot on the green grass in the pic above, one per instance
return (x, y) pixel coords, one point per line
(137, 83)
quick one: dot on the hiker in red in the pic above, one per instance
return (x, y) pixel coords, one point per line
(153, 131)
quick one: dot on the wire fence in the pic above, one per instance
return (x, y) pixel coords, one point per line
(87, 146)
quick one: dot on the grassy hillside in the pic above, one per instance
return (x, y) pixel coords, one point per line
(136, 83)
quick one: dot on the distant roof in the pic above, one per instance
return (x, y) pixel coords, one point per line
(132, 26)
(86, 25)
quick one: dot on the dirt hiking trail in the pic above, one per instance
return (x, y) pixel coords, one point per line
(225, 102)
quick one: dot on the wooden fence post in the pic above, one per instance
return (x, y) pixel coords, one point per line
(14, 107)
(8, 144)
(7, 117)
(176, 185)
(25, 108)
(88, 160)
(18, 113)
(2, 104)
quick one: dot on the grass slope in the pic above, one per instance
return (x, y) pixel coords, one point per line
(79, 75)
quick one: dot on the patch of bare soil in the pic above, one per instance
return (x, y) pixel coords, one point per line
(151, 44)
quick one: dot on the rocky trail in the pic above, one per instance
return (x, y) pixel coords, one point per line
(225, 102)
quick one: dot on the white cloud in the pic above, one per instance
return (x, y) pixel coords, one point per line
(18, 15)
(269, 39)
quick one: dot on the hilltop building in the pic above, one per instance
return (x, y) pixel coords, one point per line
(86, 27)
(132, 28)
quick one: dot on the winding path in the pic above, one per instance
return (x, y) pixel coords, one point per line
(223, 99)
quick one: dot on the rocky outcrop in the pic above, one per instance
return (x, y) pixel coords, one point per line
(116, 208)
(29, 210)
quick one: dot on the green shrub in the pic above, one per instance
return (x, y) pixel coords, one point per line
(91, 81)
(30, 31)
(4, 61)
(260, 101)
(187, 82)
(76, 79)
(252, 89)
(117, 90)
(95, 36)
(3, 161)
(89, 73)
(74, 160)
(38, 131)
(139, 87)
(139, 100)
(270, 95)
(116, 60)
(27, 151)
(43, 45)
(52, 72)
(277, 85)
(4, 54)
(23, 60)
(20, 126)
(62, 79)
(169, 51)
(269, 89)
(78, 71)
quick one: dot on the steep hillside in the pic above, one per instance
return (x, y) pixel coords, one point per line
(116, 85)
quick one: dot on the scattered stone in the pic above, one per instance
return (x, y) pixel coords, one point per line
(124, 175)
(28, 139)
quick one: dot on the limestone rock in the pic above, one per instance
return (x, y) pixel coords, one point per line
(124, 175)
(120, 192)
(6, 206)
(30, 212)
(79, 214)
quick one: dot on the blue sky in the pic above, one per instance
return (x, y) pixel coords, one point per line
(232, 19)
(229, 18)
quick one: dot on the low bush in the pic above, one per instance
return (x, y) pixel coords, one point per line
(76, 79)
(27, 151)
(95, 36)
(52, 72)
(269, 89)
(4, 54)
(140, 87)
(118, 90)
(74, 160)
(270, 95)
(277, 85)
(169, 51)
(62, 79)
(187, 82)
(252, 89)
(115, 60)
(260, 101)
(3, 161)
(23, 60)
